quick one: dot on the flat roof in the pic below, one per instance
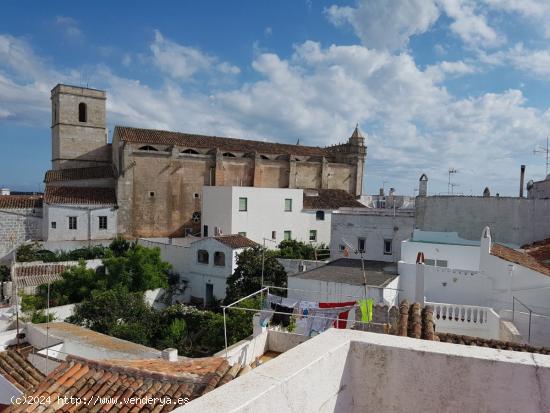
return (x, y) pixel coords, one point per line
(348, 271)
(437, 237)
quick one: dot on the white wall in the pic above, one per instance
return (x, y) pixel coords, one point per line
(85, 230)
(266, 213)
(375, 227)
(463, 257)
(8, 391)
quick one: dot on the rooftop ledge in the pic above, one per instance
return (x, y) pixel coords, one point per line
(353, 371)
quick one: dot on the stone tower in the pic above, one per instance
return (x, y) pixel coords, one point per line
(423, 185)
(79, 133)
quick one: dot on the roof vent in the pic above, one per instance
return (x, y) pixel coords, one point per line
(170, 354)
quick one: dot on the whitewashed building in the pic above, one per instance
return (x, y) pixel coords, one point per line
(79, 213)
(376, 231)
(204, 264)
(276, 214)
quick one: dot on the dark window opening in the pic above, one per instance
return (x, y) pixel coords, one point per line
(264, 157)
(229, 155)
(361, 244)
(205, 231)
(191, 151)
(219, 259)
(273, 234)
(54, 225)
(320, 215)
(151, 194)
(102, 222)
(387, 246)
(148, 148)
(202, 256)
(82, 112)
(72, 222)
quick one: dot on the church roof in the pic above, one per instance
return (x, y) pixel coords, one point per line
(153, 136)
(73, 174)
(79, 196)
(356, 133)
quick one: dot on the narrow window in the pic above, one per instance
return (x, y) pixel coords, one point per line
(287, 235)
(243, 204)
(288, 205)
(441, 263)
(341, 247)
(429, 262)
(219, 259)
(313, 235)
(102, 222)
(202, 256)
(205, 231)
(361, 244)
(54, 225)
(273, 234)
(151, 194)
(387, 247)
(242, 233)
(82, 112)
(320, 215)
(72, 222)
(190, 151)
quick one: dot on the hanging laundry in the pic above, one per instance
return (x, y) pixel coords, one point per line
(343, 316)
(281, 319)
(320, 319)
(305, 306)
(366, 309)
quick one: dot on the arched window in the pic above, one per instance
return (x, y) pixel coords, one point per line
(148, 148)
(219, 259)
(202, 256)
(229, 155)
(82, 112)
(191, 151)
(320, 215)
(264, 157)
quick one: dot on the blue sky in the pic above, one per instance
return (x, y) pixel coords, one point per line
(433, 84)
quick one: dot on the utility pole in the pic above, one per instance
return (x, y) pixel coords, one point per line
(449, 186)
(545, 151)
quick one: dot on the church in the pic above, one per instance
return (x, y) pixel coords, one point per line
(148, 183)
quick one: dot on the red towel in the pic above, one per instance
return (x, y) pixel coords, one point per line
(342, 317)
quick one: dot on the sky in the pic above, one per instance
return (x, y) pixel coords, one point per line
(433, 84)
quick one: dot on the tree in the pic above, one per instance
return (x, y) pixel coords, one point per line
(293, 249)
(247, 276)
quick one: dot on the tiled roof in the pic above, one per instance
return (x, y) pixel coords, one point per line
(19, 371)
(329, 199)
(520, 258)
(73, 174)
(34, 274)
(122, 380)
(236, 241)
(161, 137)
(79, 196)
(417, 322)
(539, 250)
(20, 201)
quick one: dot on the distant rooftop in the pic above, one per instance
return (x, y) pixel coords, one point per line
(348, 271)
(435, 237)
(15, 368)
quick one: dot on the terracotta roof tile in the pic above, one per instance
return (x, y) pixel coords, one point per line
(518, 257)
(122, 380)
(34, 274)
(79, 196)
(417, 322)
(96, 172)
(329, 199)
(20, 201)
(19, 371)
(152, 136)
(236, 241)
(539, 250)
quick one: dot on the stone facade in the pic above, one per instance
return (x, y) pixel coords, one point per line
(17, 226)
(79, 134)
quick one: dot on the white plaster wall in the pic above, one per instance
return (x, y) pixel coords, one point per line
(85, 229)
(375, 228)
(462, 257)
(220, 208)
(8, 391)
(352, 371)
(323, 291)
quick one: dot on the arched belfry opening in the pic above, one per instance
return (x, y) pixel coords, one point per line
(82, 112)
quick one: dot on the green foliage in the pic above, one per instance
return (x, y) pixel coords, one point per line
(247, 276)
(119, 246)
(34, 252)
(31, 307)
(293, 249)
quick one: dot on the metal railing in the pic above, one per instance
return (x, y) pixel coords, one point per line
(514, 299)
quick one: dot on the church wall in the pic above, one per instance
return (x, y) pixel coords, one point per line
(341, 176)
(308, 175)
(272, 174)
(238, 172)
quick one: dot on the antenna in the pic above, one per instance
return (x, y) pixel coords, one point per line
(545, 151)
(449, 185)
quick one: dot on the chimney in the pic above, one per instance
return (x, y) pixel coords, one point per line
(381, 193)
(170, 354)
(392, 192)
(521, 179)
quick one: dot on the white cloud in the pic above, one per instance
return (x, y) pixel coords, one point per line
(538, 11)
(536, 62)
(69, 26)
(383, 24)
(183, 62)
